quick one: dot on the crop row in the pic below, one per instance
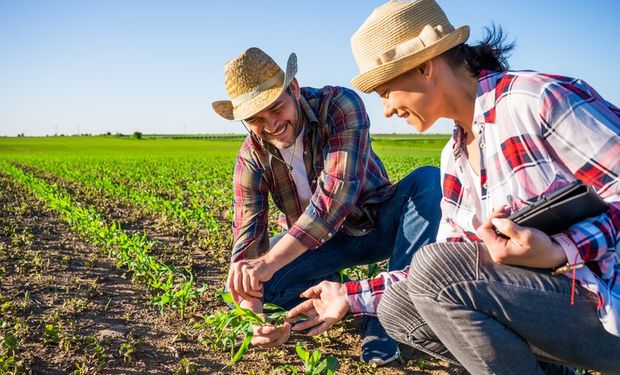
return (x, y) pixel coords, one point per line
(168, 285)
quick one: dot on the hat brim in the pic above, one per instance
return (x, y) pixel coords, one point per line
(264, 99)
(374, 77)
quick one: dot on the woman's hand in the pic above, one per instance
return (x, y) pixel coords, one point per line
(526, 246)
(327, 304)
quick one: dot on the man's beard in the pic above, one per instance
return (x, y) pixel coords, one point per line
(297, 125)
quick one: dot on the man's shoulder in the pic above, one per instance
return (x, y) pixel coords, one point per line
(318, 97)
(335, 104)
(248, 149)
(326, 91)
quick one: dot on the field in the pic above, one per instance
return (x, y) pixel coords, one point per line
(112, 250)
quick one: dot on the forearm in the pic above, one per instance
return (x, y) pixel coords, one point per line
(287, 249)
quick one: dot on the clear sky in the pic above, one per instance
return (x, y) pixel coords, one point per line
(77, 66)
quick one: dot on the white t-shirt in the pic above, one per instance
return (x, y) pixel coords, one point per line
(299, 173)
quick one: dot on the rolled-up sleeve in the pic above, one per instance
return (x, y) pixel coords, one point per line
(250, 211)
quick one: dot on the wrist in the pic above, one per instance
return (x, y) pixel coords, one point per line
(271, 262)
(558, 254)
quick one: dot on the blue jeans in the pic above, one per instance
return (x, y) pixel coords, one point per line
(405, 222)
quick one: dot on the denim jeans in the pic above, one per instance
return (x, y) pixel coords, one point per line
(458, 304)
(405, 222)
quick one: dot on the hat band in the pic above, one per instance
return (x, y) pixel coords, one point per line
(428, 36)
(251, 94)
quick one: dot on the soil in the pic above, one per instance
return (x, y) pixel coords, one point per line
(72, 310)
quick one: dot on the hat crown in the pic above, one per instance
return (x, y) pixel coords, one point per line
(249, 70)
(392, 24)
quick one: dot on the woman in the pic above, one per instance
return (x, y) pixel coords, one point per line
(493, 302)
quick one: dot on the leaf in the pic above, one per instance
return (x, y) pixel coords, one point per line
(272, 307)
(301, 352)
(249, 332)
(332, 365)
(316, 355)
(227, 297)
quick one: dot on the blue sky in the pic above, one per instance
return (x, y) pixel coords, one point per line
(76, 66)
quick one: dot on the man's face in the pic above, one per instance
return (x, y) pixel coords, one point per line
(279, 124)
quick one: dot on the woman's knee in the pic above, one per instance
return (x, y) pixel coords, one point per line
(440, 265)
(397, 314)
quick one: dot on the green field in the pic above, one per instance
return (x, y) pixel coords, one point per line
(155, 211)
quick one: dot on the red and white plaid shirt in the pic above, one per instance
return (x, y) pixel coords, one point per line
(538, 132)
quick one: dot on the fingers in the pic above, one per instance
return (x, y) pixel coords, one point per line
(313, 291)
(323, 327)
(486, 232)
(518, 235)
(303, 308)
(231, 286)
(254, 283)
(312, 321)
(270, 336)
(240, 282)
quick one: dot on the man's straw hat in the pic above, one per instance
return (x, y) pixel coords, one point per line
(253, 81)
(398, 36)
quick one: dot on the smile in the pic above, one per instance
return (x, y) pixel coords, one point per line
(279, 133)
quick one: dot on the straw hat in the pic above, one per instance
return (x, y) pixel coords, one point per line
(253, 81)
(398, 36)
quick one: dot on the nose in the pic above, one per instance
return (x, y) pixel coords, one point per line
(270, 124)
(388, 110)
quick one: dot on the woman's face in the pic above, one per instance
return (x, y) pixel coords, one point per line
(412, 96)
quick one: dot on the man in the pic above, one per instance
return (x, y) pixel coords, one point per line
(310, 150)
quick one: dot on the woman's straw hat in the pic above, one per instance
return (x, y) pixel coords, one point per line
(253, 81)
(398, 36)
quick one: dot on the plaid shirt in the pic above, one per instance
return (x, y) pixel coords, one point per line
(538, 132)
(343, 172)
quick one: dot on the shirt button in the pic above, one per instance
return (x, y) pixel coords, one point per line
(330, 234)
(364, 230)
(323, 240)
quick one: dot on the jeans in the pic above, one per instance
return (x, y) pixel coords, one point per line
(458, 304)
(405, 222)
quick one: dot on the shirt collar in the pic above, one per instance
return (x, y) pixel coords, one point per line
(484, 107)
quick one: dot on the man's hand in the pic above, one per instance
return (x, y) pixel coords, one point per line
(266, 336)
(269, 336)
(327, 304)
(526, 247)
(246, 278)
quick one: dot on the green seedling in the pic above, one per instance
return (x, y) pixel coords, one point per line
(51, 334)
(233, 329)
(313, 363)
(230, 325)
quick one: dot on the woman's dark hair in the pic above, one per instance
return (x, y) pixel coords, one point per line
(491, 54)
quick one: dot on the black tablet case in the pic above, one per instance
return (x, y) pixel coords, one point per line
(564, 207)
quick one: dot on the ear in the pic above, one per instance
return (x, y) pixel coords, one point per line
(426, 68)
(295, 87)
